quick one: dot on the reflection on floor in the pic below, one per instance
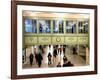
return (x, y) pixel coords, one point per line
(74, 58)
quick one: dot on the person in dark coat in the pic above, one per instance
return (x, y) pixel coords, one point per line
(69, 64)
(35, 53)
(39, 59)
(74, 50)
(65, 63)
(55, 52)
(59, 64)
(49, 58)
(31, 58)
(64, 58)
(64, 50)
(36, 57)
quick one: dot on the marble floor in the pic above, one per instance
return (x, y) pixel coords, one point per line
(74, 58)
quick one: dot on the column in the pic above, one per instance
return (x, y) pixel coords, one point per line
(87, 55)
(77, 37)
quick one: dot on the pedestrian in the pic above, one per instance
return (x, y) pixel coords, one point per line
(69, 63)
(55, 52)
(39, 59)
(74, 50)
(49, 58)
(64, 58)
(59, 64)
(64, 50)
(31, 58)
(65, 63)
(49, 47)
(36, 57)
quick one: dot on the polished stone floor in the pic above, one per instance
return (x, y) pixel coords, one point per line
(74, 58)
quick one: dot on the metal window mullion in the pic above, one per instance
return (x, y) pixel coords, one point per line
(77, 27)
(37, 26)
(51, 26)
(64, 26)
